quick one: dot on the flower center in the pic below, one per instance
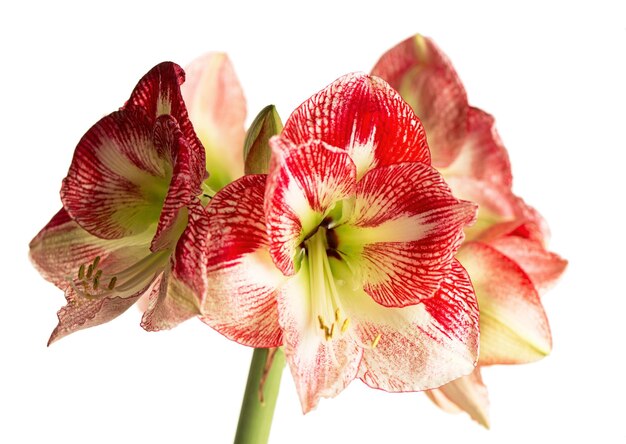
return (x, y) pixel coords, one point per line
(93, 282)
(325, 301)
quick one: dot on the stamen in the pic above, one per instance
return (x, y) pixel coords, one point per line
(321, 320)
(98, 274)
(81, 272)
(337, 314)
(96, 261)
(112, 282)
(96, 282)
(345, 325)
(89, 271)
(376, 340)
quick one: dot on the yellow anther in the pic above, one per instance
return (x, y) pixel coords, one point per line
(345, 325)
(96, 282)
(337, 314)
(98, 274)
(332, 330)
(89, 271)
(376, 340)
(112, 283)
(96, 261)
(321, 321)
(81, 271)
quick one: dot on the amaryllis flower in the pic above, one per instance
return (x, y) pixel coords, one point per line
(344, 253)
(505, 250)
(131, 223)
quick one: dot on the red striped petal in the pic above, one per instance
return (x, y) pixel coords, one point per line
(242, 280)
(513, 324)
(184, 285)
(118, 180)
(320, 368)
(405, 231)
(217, 109)
(424, 77)
(543, 267)
(468, 394)
(304, 184)
(418, 347)
(364, 116)
(158, 93)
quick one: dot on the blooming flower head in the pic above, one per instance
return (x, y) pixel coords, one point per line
(344, 252)
(505, 250)
(132, 223)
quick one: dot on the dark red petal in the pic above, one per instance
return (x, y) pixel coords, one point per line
(366, 117)
(118, 180)
(242, 280)
(424, 77)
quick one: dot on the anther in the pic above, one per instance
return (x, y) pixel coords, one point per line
(376, 340)
(112, 283)
(81, 271)
(89, 271)
(98, 274)
(337, 314)
(96, 261)
(321, 321)
(96, 282)
(345, 325)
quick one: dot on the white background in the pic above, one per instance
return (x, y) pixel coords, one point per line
(554, 78)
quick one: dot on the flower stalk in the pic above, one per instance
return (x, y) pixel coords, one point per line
(259, 400)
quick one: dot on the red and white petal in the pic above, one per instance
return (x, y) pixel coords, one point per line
(468, 394)
(424, 77)
(81, 312)
(418, 347)
(158, 93)
(183, 287)
(542, 267)
(185, 184)
(62, 246)
(217, 109)
(482, 155)
(117, 181)
(321, 368)
(304, 184)
(404, 233)
(364, 116)
(513, 324)
(241, 279)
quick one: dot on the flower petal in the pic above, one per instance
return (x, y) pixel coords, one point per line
(117, 181)
(81, 312)
(62, 246)
(320, 368)
(303, 185)
(406, 228)
(242, 280)
(424, 77)
(514, 327)
(366, 117)
(217, 108)
(481, 154)
(542, 267)
(418, 347)
(158, 93)
(183, 286)
(468, 394)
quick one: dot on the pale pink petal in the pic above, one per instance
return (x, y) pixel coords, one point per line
(158, 93)
(481, 155)
(418, 347)
(514, 327)
(468, 394)
(366, 117)
(183, 286)
(321, 368)
(81, 312)
(217, 109)
(118, 180)
(303, 185)
(242, 280)
(424, 77)
(62, 246)
(405, 230)
(543, 267)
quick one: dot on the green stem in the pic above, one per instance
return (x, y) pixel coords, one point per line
(257, 408)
